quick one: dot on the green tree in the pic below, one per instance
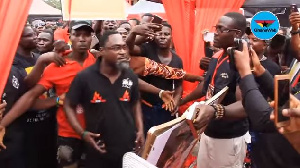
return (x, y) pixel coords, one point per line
(54, 3)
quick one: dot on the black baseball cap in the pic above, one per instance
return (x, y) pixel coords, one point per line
(76, 24)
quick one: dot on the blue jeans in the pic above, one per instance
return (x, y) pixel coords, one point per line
(154, 116)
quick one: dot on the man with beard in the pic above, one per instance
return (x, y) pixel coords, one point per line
(159, 51)
(113, 113)
(60, 77)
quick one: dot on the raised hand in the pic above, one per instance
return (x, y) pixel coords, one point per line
(295, 20)
(242, 60)
(204, 63)
(258, 69)
(146, 29)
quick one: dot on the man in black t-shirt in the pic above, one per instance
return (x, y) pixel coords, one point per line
(13, 156)
(266, 141)
(160, 51)
(109, 96)
(223, 142)
(15, 139)
(41, 130)
(21, 150)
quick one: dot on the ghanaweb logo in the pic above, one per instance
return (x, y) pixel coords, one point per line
(264, 25)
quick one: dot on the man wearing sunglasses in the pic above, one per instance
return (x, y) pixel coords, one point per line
(39, 25)
(223, 141)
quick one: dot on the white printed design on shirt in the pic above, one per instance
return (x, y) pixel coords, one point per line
(15, 82)
(224, 75)
(127, 83)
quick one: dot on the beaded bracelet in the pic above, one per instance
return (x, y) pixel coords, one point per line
(219, 111)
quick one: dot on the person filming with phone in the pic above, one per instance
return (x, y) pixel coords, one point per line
(271, 148)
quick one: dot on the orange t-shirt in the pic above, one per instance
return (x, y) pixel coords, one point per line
(61, 78)
(62, 34)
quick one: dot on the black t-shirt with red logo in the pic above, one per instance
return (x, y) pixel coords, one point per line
(225, 76)
(108, 107)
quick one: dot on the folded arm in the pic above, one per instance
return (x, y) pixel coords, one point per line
(22, 105)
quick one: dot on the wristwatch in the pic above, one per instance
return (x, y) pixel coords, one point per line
(295, 32)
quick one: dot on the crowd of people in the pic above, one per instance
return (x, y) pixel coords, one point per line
(83, 94)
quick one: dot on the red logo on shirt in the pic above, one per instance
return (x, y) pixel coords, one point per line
(97, 98)
(125, 97)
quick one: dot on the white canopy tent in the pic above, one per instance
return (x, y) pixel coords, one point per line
(41, 8)
(144, 6)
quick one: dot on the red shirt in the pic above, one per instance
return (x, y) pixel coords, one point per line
(62, 34)
(61, 78)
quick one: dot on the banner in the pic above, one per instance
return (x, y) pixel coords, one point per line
(94, 9)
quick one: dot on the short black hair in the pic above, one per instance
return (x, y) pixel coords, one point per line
(124, 23)
(167, 25)
(148, 14)
(49, 31)
(239, 20)
(136, 20)
(105, 36)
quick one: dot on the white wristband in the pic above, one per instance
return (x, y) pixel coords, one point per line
(160, 93)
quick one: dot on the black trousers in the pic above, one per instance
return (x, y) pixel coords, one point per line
(13, 156)
(41, 144)
(96, 162)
